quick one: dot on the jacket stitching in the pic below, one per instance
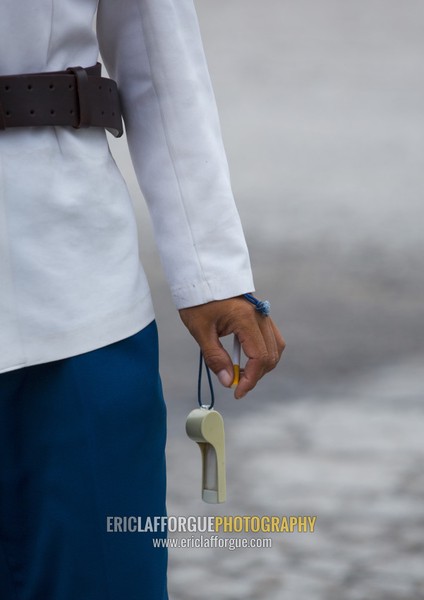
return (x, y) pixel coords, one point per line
(168, 145)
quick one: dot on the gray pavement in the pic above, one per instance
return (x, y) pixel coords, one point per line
(354, 461)
(322, 114)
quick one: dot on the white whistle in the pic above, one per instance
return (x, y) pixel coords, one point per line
(206, 427)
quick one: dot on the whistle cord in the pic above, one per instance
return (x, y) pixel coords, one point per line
(199, 385)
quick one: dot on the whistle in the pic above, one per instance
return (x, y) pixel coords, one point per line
(206, 427)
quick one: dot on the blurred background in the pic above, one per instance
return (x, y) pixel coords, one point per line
(322, 111)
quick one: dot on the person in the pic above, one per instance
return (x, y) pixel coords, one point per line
(82, 414)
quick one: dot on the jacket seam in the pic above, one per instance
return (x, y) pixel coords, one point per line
(51, 31)
(170, 152)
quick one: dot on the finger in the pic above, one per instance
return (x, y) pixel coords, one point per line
(263, 361)
(274, 343)
(265, 325)
(255, 348)
(280, 341)
(217, 358)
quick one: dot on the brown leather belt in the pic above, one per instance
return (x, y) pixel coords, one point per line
(76, 97)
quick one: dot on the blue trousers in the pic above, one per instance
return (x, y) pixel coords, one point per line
(82, 439)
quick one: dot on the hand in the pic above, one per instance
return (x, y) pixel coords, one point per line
(260, 339)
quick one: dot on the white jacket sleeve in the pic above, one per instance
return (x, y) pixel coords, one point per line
(153, 49)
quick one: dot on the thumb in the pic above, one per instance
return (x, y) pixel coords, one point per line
(218, 360)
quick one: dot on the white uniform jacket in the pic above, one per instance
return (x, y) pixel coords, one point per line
(70, 276)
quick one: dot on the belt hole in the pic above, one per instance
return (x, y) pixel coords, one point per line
(7, 88)
(71, 87)
(100, 87)
(52, 112)
(71, 112)
(32, 112)
(29, 87)
(103, 112)
(110, 90)
(51, 87)
(8, 113)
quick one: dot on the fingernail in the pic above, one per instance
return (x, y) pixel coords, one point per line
(225, 378)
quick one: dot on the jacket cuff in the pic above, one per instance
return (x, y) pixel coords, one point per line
(201, 292)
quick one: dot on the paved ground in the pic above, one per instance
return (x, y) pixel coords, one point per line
(322, 113)
(354, 460)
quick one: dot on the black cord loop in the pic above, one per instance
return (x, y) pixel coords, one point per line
(199, 385)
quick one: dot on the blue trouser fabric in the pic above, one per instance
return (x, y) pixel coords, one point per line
(82, 439)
